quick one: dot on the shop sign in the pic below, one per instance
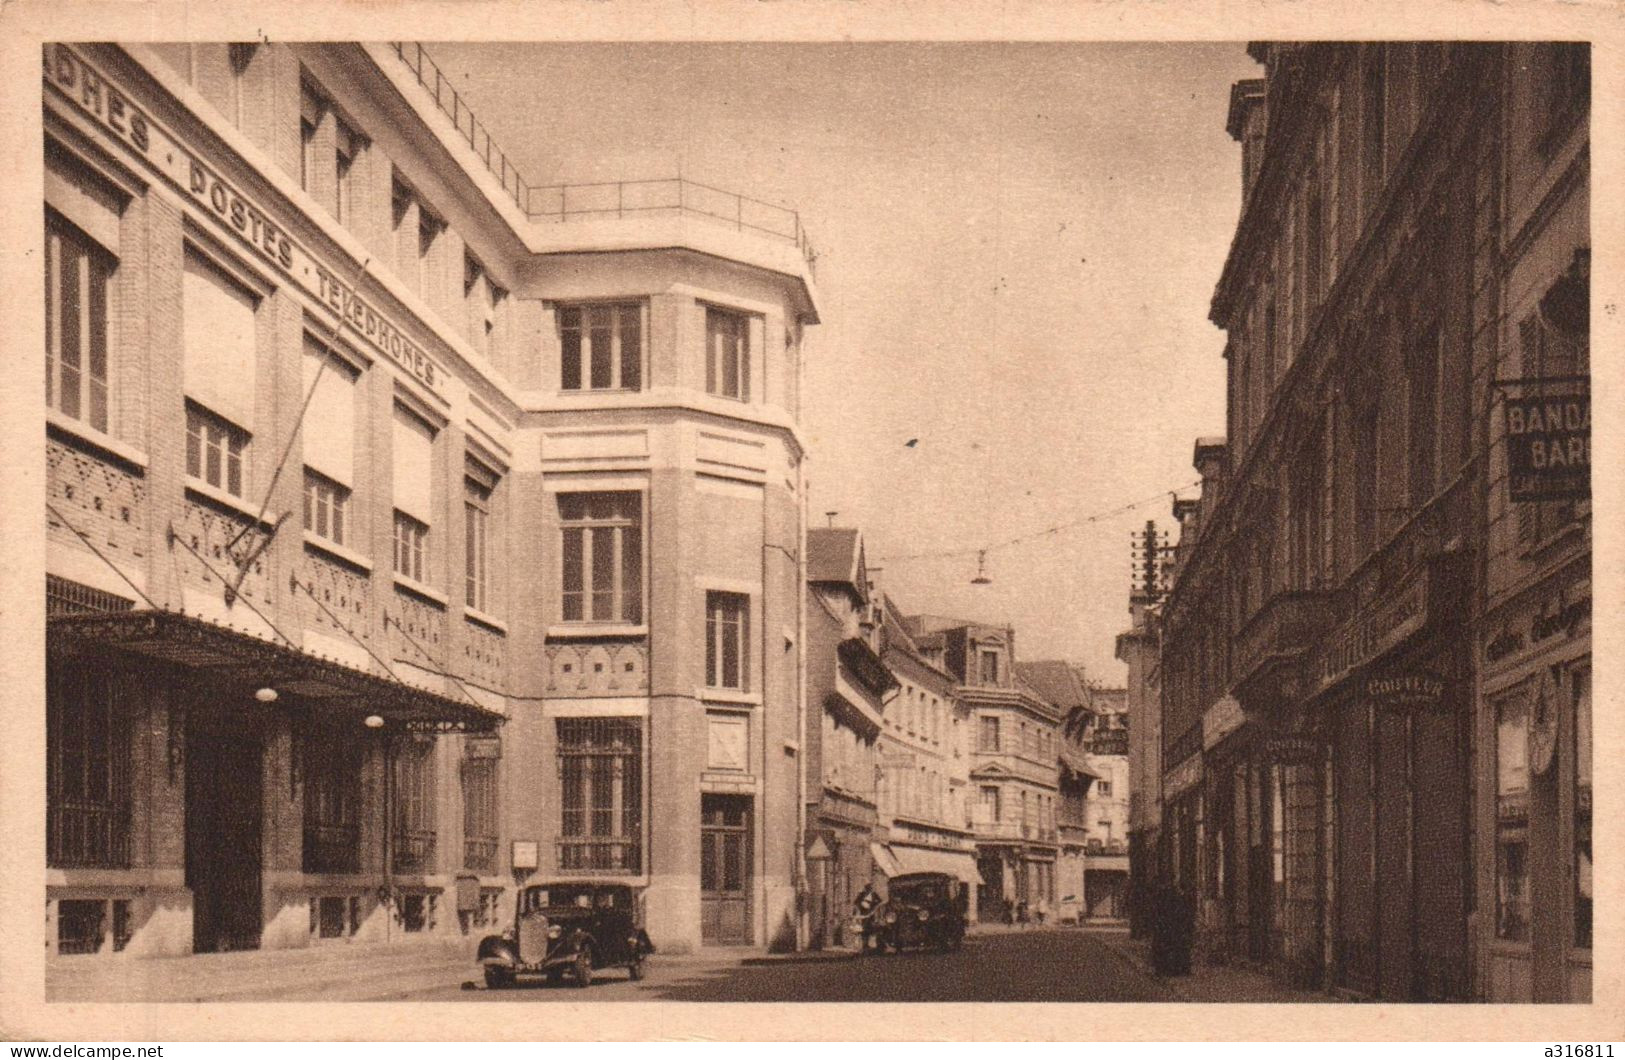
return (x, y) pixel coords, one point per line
(1548, 443)
(69, 73)
(1294, 750)
(1559, 617)
(526, 855)
(1374, 633)
(1406, 691)
(1221, 719)
(924, 837)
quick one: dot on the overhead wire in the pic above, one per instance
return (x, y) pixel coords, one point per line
(1021, 539)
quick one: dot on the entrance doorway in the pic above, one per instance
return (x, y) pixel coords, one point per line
(725, 862)
(223, 815)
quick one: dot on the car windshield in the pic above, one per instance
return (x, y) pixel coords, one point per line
(928, 890)
(574, 896)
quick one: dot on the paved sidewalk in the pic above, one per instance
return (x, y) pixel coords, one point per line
(1208, 983)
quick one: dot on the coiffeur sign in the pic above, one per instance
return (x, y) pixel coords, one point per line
(1548, 441)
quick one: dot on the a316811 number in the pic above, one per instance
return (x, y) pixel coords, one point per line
(1581, 1052)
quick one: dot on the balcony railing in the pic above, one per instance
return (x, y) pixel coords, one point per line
(671, 196)
(1288, 622)
(414, 850)
(606, 855)
(479, 853)
(88, 835)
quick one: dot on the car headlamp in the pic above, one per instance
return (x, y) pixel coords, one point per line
(554, 932)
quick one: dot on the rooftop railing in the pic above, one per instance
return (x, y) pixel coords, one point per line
(561, 203)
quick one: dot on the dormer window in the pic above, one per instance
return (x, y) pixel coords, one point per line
(989, 672)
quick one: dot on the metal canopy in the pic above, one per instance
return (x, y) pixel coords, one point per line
(189, 641)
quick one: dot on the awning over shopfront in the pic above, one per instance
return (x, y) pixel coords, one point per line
(896, 860)
(233, 655)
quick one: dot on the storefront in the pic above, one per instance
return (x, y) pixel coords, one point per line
(1393, 685)
(1536, 699)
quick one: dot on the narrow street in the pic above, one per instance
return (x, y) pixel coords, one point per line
(1039, 965)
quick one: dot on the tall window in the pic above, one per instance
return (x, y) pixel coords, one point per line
(482, 295)
(727, 640)
(347, 149)
(989, 735)
(328, 435)
(332, 791)
(1366, 440)
(1512, 818)
(479, 777)
(413, 839)
(989, 667)
(429, 229)
(727, 354)
(218, 336)
(77, 275)
(87, 770)
(602, 346)
(413, 459)
(601, 797)
(311, 110)
(479, 482)
(602, 557)
(990, 803)
(1374, 129)
(1423, 419)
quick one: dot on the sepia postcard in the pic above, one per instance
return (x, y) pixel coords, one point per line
(1032, 521)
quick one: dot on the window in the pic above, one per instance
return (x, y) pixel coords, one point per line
(990, 667)
(312, 108)
(479, 776)
(601, 777)
(332, 791)
(1512, 819)
(1103, 787)
(990, 735)
(1423, 419)
(727, 354)
(429, 229)
(327, 506)
(77, 275)
(218, 324)
(412, 456)
(990, 804)
(479, 482)
(328, 427)
(214, 450)
(1374, 133)
(1566, 84)
(413, 839)
(602, 557)
(88, 741)
(347, 149)
(602, 347)
(1580, 689)
(411, 547)
(727, 640)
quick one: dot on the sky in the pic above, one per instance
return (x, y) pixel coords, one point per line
(1017, 245)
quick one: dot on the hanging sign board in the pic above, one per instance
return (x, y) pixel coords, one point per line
(1548, 441)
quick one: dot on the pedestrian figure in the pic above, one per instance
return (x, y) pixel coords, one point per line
(1021, 912)
(865, 905)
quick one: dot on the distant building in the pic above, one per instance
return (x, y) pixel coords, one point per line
(851, 687)
(1062, 685)
(1106, 809)
(1140, 648)
(1013, 762)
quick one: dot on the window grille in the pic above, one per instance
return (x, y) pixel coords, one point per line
(88, 770)
(413, 841)
(601, 777)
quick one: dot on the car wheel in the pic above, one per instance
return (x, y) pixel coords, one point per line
(497, 978)
(634, 971)
(583, 967)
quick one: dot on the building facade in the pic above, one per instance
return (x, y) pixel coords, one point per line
(925, 764)
(425, 528)
(1342, 799)
(1013, 763)
(1106, 805)
(852, 687)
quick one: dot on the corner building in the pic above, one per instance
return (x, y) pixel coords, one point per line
(411, 529)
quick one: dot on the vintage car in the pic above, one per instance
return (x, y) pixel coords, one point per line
(922, 909)
(568, 928)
